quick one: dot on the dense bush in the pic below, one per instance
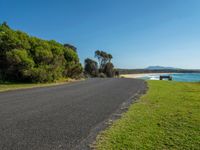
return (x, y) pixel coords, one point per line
(105, 67)
(30, 59)
(91, 67)
(109, 70)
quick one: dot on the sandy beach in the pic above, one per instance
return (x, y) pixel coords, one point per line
(141, 75)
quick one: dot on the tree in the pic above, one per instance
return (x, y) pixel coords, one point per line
(103, 58)
(109, 57)
(70, 47)
(105, 69)
(43, 55)
(91, 67)
(98, 56)
(73, 70)
(26, 58)
(109, 70)
(70, 56)
(5, 24)
(18, 63)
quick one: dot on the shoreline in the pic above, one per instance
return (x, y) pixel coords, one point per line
(140, 75)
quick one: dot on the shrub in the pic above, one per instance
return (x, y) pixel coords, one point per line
(109, 70)
(91, 67)
(105, 69)
(26, 58)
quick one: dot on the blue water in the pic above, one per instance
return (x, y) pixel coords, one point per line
(181, 77)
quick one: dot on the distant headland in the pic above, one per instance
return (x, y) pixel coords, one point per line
(160, 68)
(157, 69)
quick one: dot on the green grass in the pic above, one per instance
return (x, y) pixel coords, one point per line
(167, 117)
(7, 86)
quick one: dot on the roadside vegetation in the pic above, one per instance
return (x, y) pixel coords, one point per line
(24, 58)
(28, 59)
(104, 67)
(167, 117)
(7, 86)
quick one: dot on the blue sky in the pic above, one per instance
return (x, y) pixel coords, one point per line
(138, 33)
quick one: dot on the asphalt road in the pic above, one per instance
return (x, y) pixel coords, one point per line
(60, 117)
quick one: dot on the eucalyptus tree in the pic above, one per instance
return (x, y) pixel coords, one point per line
(103, 58)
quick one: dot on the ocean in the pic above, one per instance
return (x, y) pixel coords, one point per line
(181, 77)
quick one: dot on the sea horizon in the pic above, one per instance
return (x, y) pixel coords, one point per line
(180, 77)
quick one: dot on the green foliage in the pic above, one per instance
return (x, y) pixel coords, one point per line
(91, 67)
(106, 68)
(103, 58)
(71, 56)
(6, 86)
(18, 63)
(19, 58)
(166, 118)
(109, 70)
(71, 47)
(74, 70)
(43, 56)
(26, 58)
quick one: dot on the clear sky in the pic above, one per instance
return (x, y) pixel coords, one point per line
(138, 33)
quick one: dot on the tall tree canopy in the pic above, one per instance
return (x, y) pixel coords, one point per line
(105, 68)
(103, 58)
(30, 59)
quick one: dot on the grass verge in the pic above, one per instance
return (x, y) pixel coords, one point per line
(7, 86)
(167, 117)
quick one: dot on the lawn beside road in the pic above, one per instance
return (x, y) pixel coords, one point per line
(167, 117)
(7, 86)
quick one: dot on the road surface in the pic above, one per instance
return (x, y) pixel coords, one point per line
(60, 117)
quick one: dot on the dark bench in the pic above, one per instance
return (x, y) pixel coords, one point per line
(166, 77)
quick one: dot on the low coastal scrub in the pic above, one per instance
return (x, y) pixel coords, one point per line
(167, 117)
(24, 58)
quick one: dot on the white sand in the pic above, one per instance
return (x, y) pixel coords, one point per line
(141, 75)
